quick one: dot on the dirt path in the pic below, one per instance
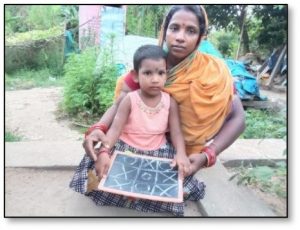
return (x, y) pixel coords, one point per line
(31, 114)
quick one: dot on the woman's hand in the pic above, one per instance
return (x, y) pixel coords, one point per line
(198, 161)
(102, 165)
(93, 139)
(183, 163)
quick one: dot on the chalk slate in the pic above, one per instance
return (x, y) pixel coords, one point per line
(143, 177)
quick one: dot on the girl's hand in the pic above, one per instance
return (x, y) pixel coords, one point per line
(183, 164)
(102, 165)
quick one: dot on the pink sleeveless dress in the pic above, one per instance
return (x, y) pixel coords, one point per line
(146, 126)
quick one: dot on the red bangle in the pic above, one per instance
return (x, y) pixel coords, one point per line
(104, 150)
(102, 127)
(210, 155)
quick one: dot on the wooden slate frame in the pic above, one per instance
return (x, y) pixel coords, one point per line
(140, 176)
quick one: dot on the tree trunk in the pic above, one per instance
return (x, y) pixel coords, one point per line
(242, 25)
(246, 40)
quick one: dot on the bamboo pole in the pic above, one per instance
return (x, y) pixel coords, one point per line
(276, 67)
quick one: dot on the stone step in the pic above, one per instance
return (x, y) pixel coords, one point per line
(43, 154)
(69, 153)
(225, 198)
(255, 151)
(32, 192)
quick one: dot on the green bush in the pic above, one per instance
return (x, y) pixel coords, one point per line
(89, 88)
(12, 137)
(265, 124)
(37, 49)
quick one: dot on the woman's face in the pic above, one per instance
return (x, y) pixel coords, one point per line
(182, 34)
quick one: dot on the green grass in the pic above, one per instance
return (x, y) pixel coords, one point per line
(11, 137)
(268, 179)
(262, 124)
(27, 79)
(265, 124)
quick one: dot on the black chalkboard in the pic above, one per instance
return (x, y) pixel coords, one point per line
(143, 177)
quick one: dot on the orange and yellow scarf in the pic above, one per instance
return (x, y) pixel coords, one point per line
(203, 88)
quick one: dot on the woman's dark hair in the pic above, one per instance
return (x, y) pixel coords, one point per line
(147, 52)
(196, 9)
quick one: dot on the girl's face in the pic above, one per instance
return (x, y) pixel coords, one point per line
(152, 76)
(182, 34)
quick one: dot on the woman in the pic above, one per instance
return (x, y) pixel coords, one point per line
(212, 117)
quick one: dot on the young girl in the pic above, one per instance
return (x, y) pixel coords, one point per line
(140, 125)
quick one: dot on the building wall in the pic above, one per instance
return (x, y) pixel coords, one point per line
(90, 30)
(89, 22)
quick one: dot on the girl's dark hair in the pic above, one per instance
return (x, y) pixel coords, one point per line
(196, 9)
(147, 52)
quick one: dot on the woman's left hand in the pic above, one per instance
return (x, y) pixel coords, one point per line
(197, 161)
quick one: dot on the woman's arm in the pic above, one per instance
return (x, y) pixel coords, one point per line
(177, 139)
(232, 128)
(119, 122)
(121, 91)
(97, 135)
(102, 162)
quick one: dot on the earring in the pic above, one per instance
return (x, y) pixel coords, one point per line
(165, 47)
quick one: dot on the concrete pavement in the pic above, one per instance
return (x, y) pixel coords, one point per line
(37, 175)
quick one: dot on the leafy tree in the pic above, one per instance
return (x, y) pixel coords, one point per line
(23, 18)
(261, 26)
(230, 18)
(41, 17)
(14, 18)
(70, 15)
(145, 20)
(225, 42)
(272, 31)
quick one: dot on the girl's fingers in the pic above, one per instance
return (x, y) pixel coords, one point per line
(181, 172)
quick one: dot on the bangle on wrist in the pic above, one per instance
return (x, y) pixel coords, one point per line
(102, 127)
(210, 156)
(214, 147)
(104, 150)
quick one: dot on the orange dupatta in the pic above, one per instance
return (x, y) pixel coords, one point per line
(203, 88)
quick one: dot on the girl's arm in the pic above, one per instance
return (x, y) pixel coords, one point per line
(177, 139)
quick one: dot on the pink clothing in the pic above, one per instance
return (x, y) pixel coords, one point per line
(146, 127)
